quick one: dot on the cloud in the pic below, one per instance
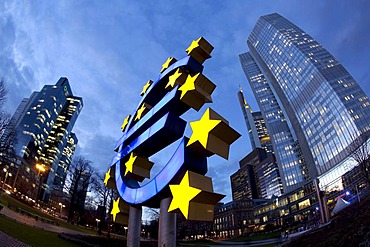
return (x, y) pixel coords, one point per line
(109, 50)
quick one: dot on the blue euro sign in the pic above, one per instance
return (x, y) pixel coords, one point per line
(157, 129)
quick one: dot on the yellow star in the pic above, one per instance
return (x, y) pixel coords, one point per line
(130, 163)
(177, 78)
(182, 194)
(107, 177)
(168, 63)
(125, 122)
(196, 91)
(194, 44)
(189, 85)
(115, 209)
(202, 128)
(146, 86)
(212, 135)
(200, 49)
(140, 112)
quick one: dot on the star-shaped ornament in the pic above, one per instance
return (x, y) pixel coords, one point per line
(144, 108)
(196, 91)
(212, 135)
(145, 87)
(200, 49)
(194, 197)
(179, 77)
(109, 181)
(125, 122)
(138, 168)
(120, 211)
(168, 63)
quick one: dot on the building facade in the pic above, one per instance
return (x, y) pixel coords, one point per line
(257, 177)
(314, 109)
(268, 177)
(244, 183)
(233, 219)
(258, 133)
(44, 125)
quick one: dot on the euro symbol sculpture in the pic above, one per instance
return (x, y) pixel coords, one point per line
(157, 123)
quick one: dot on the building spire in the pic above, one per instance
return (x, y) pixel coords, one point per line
(246, 105)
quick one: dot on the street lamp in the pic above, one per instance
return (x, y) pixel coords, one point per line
(125, 227)
(61, 207)
(7, 173)
(40, 169)
(97, 223)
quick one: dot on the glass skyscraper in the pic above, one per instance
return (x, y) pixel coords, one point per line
(313, 107)
(258, 133)
(44, 125)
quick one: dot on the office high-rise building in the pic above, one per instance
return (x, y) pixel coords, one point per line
(257, 177)
(314, 109)
(64, 162)
(44, 123)
(258, 133)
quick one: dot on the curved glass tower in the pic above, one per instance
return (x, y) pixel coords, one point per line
(321, 108)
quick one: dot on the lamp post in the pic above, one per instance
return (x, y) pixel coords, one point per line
(40, 169)
(7, 173)
(97, 224)
(125, 227)
(61, 207)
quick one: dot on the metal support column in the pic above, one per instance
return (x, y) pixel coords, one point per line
(134, 226)
(167, 225)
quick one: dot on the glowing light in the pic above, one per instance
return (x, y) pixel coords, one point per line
(40, 167)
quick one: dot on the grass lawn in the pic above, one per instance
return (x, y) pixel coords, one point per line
(32, 236)
(261, 236)
(204, 243)
(6, 200)
(199, 243)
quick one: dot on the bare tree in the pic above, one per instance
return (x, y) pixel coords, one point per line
(77, 183)
(102, 196)
(360, 152)
(8, 135)
(101, 192)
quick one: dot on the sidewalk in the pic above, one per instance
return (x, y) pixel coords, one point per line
(32, 222)
(8, 241)
(248, 243)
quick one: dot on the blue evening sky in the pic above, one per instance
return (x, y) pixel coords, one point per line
(109, 49)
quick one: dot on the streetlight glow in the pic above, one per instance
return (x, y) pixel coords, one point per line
(39, 167)
(61, 208)
(97, 223)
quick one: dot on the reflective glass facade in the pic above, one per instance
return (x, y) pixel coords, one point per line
(323, 107)
(64, 162)
(268, 176)
(258, 133)
(44, 123)
(285, 145)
